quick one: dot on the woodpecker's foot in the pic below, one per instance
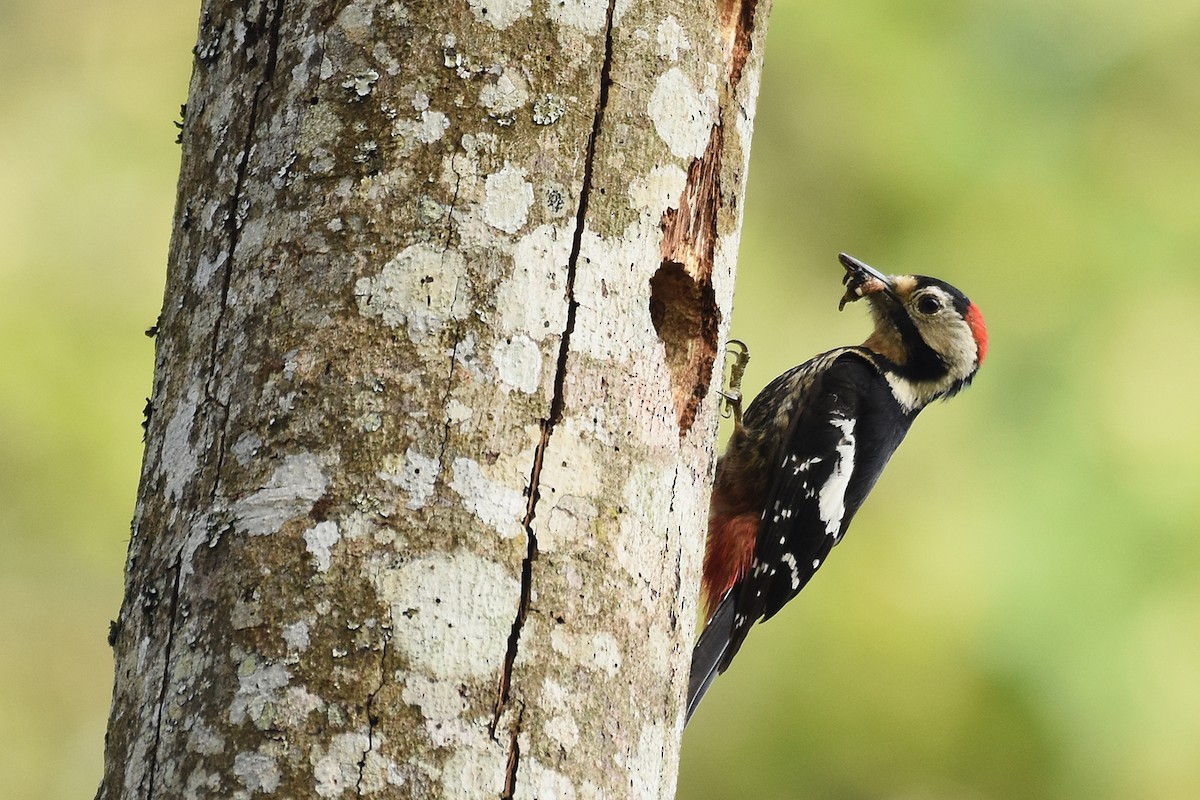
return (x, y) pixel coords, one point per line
(732, 397)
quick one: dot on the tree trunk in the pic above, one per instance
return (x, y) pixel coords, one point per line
(427, 468)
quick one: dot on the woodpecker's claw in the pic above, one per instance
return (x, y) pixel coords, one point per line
(861, 280)
(732, 405)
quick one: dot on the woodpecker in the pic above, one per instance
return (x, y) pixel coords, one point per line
(812, 444)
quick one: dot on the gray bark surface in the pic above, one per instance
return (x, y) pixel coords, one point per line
(427, 469)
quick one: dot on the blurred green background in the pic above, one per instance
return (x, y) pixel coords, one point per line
(1016, 613)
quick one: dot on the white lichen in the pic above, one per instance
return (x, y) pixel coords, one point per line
(258, 772)
(544, 782)
(417, 290)
(672, 39)
(600, 652)
(548, 109)
(663, 508)
(179, 458)
(496, 504)
(292, 490)
(599, 332)
(567, 516)
(319, 540)
(533, 300)
(200, 784)
(518, 363)
(206, 267)
(682, 115)
(246, 447)
(499, 13)
(504, 95)
(451, 613)
(429, 127)
(258, 690)
(360, 83)
(442, 705)
(414, 473)
(507, 198)
(646, 768)
(296, 705)
(563, 730)
(474, 773)
(356, 20)
(585, 15)
(352, 763)
(658, 190)
(296, 636)
(202, 737)
(458, 412)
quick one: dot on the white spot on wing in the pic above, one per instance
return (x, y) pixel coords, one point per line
(831, 502)
(790, 560)
(804, 465)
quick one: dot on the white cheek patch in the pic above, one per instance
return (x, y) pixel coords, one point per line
(950, 336)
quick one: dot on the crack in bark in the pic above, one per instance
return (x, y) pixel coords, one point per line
(233, 229)
(557, 404)
(450, 211)
(514, 757)
(172, 608)
(458, 330)
(372, 720)
(458, 339)
(270, 20)
(674, 617)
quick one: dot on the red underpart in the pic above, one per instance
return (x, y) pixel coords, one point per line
(727, 554)
(978, 330)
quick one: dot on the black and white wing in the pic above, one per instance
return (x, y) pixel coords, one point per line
(816, 490)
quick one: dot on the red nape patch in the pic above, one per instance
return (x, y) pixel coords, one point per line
(978, 330)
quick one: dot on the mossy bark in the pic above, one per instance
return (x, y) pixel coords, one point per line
(427, 466)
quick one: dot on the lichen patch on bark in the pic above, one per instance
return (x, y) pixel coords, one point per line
(499, 13)
(418, 289)
(495, 503)
(450, 613)
(682, 114)
(292, 490)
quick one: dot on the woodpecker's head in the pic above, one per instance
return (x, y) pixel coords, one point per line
(931, 337)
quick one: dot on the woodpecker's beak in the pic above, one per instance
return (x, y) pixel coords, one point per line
(862, 280)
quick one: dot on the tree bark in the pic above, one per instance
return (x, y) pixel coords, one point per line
(428, 458)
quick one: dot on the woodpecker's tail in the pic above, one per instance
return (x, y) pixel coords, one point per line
(709, 653)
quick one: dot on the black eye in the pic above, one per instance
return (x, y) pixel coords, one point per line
(929, 304)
